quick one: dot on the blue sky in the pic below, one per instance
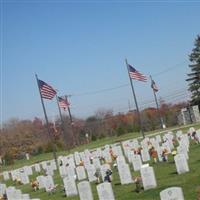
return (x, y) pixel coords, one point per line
(80, 47)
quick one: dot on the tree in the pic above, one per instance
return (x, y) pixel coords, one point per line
(194, 76)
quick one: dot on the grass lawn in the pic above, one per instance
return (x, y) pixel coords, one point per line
(165, 173)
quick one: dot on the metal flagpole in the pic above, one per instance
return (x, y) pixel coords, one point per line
(136, 104)
(47, 123)
(70, 117)
(63, 125)
(158, 110)
(69, 111)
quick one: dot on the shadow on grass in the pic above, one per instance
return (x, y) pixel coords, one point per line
(117, 184)
(173, 173)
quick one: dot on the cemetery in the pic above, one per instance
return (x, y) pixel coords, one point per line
(99, 100)
(116, 171)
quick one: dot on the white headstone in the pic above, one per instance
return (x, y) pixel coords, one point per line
(2, 189)
(17, 194)
(96, 163)
(86, 161)
(37, 167)
(172, 193)
(28, 170)
(25, 197)
(117, 150)
(105, 191)
(53, 164)
(125, 174)
(136, 162)
(41, 180)
(24, 178)
(91, 171)
(103, 169)
(77, 158)
(10, 193)
(49, 170)
(49, 184)
(159, 152)
(121, 160)
(181, 163)
(145, 155)
(27, 156)
(148, 178)
(183, 150)
(99, 152)
(15, 174)
(70, 171)
(158, 139)
(13, 194)
(6, 176)
(70, 187)
(80, 170)
(63, 171)
(107, 156)
(44, 164)
(166, 145)
(85, 191)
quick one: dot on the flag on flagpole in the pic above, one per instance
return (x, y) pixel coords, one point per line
(154, 86)
(134, 74)
(47, 92)
(63, 103)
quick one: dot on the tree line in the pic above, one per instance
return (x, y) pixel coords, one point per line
(18, 137)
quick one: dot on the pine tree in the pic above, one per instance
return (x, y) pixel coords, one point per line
(194, 76)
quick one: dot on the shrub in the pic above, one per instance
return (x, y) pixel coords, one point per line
(94, 138)
(59, 145)
(40, 150)
(8, 158)
(101, 136)
(120, 131)
(48, 148)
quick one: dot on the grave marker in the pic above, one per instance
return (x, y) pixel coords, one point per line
(148, 178)
(181, 164)
(172, 193)
(124, 174)
(136, 162)
(80, 170)
(85, 191)
(105, 191)
(70, 187)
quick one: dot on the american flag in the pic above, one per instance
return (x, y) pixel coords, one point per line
(134, 74)
(46, 90)
(154, 86)
(63, 103)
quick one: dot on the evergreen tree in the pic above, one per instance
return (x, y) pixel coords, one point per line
(194, 76)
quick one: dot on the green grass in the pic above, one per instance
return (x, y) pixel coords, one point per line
(165, 173)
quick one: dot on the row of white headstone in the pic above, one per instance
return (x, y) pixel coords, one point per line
(13, 194)
(23, 173)
(104, 190)
(83, 188)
